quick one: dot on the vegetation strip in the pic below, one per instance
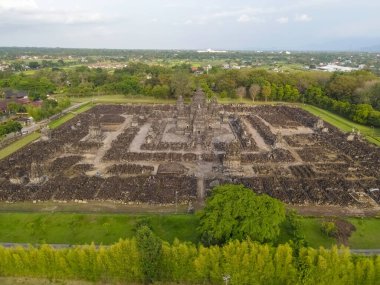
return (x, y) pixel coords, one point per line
(371, 134)
(146, 260)
(18, 144)
(73, 228)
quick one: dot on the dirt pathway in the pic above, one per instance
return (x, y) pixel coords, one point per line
(139, 139)
(107, 142)
(256, 136)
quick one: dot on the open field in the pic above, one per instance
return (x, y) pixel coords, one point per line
(372, 134)
(105, 228)
(311, 229)
(121, 99)
(69, 228)
(18, 144)
(140, 99)
(367, 234)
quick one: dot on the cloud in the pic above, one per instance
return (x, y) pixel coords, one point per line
(17, 5)
(245, 14)
(27, 12)
(244, 18)
(283, 20)
(302, 18)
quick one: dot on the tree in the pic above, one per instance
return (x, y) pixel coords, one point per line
(361, 112)
(161, 91)
(150, 248)
(241, 92)
(180, 84)
(34, 65)
(254, 90)
(10, 127)
(266, 91)
(236, 212)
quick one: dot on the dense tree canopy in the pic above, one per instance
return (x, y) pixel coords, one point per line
(338, 92)
(150, 249)
(236, 212)
(9, 127)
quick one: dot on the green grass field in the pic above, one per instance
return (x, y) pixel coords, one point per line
(372, 134)
(121, 99)
(70, 228)
(8, 150)
(74, 228)
(367, 234)
(311, 229)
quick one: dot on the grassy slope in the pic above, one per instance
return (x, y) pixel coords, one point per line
(70, 228)
(56, 123)
(18, 144)
(372, 134)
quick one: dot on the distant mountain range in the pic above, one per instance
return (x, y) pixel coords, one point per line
(347, 44)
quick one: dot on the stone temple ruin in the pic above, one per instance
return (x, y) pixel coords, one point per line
(165, 153)
(199, 119)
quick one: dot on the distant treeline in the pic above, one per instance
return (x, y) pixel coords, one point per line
(355, 95)
(241, 262)
(271, 58)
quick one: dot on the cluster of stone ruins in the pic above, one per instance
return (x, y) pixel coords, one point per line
(159, 153)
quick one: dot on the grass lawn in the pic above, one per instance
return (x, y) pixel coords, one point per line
(18, 144)
(122, 99)
(70, 228)
(311, 229)
(56, 123)
(74, 228)
(372, 134)
(367, 234)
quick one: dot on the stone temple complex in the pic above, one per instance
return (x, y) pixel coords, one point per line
(156, 153)
(199, 119)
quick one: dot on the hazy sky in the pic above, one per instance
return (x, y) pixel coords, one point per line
(191, 24)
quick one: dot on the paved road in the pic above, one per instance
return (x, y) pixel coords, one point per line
(60, 246)
(366, 251)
